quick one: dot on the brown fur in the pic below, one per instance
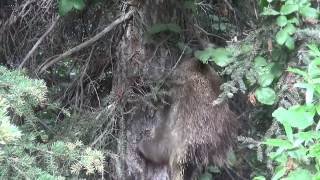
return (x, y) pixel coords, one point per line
(193, 132)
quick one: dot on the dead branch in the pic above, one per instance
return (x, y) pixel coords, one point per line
(47, 64)
(39, 41)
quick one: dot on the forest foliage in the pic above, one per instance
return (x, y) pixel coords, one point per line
(276, 64)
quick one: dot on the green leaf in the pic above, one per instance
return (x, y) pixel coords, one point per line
(269, 12)
(156, 29)
(214, 169)
(314, 151)
(290, 29)
(221, 57)
(265, 95)
(260, 61)
(306, 136)
(279, 158)
(297, 153)
(299, 174)
(294, 20)
(282, 21)
(259, 178)
(298, 71)
(301, 85)
(64, 7)
(174, 28)
(275, 69)
(280, 171)
(317, 175)
(184, 47)
(290, 43)
(190, 5)
(295, 119)
(309, 12)
(263, 4)
(315, 50)
(202, 56)
(215, 18)
(278, 143)
(309, 96)
(266, 79)
(78, 4)
(246, 48)
(288, 9)
(219, 26)
(281, 37)
(288, 130)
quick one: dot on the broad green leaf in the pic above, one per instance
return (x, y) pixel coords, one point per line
(281, 37)
(282, 21)
(214, 169)
(299, 174)
(219, 26)
(294, 21)
(269, 12)
(297, 153)
(190, 5)
(78, 4)
(317, 175)
(215, 18)
(259, 178)
(295, 119)
(156, 29)
(290, 29)
(174, 28)
(306, 136)
(223, 27)
(309, 12)
(314, 151)
(280, 171)
(275, 69)
(278, 143)
(221, 57)
(290, 43)
(246, 48)
(64, 7)
(265, 95)
(266, 79)
(260, 61)
(279, 158)
(202, 56)
(185, 48)
(263, 4)
(288, 9)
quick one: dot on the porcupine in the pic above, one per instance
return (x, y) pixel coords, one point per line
(194, 131)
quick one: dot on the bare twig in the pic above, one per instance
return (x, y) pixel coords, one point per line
(47, 64)
(39, 42)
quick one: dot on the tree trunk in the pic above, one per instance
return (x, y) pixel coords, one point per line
(139, 57)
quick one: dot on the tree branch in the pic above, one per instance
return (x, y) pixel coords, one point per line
(49, 63)
(39, 42)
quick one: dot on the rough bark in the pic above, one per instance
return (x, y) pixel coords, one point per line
(139, 57)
